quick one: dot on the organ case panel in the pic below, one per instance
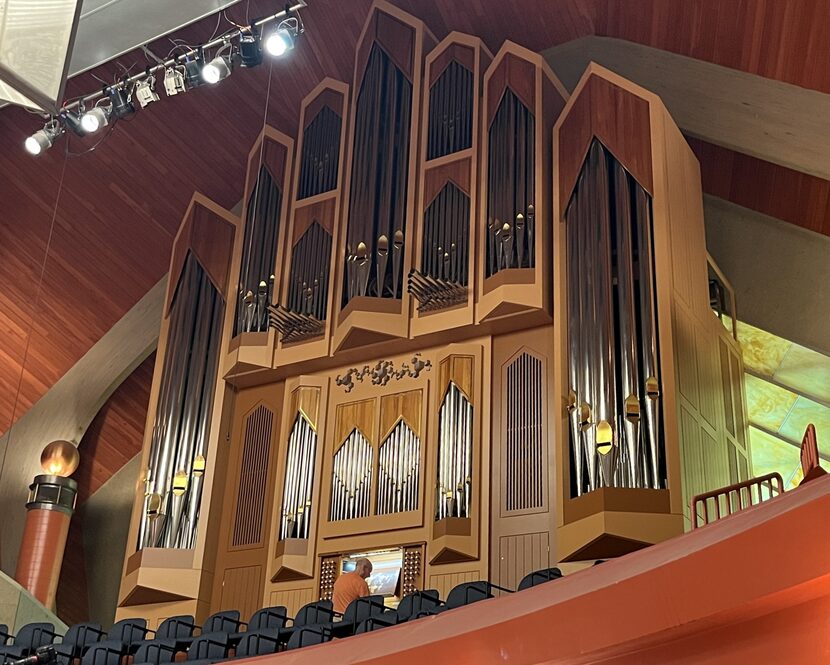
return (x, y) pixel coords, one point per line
(522, 99)
(375, 253)
(374, 470)
(459, 507)
(631, 284)
(442, 279)
(171, 527)
(302, 316)
(245, 533)
(522, 478)
(260, 252)
(296, 501)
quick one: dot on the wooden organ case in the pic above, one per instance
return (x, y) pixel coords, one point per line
(400, 367)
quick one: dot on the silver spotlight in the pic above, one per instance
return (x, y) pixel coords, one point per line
(217, 69)
(94, 119)
(174, 80)
(145, 91)
(43, 139)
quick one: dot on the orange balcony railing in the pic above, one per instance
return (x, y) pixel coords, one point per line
(725, 501)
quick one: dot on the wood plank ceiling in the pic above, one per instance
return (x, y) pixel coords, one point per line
(120, 204)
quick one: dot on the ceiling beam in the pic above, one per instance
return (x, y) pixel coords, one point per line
(67, 409)
(775, 268)
(774, 121)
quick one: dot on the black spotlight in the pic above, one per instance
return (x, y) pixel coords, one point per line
(193, 70)
(72, 119)
(250, 48)
(122, 103)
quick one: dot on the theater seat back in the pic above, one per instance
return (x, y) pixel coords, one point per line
(34, 635)
(128, 631)
(539, 577)
(468, 592)
(268, 617)
(177, 626)
(316, 612)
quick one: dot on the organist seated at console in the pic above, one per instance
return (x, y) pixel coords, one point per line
(351, 586)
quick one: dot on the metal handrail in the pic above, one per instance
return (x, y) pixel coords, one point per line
(739, 491)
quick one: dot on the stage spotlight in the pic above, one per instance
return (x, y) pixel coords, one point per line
(94, 119)
(174, 80)
(73, 121)
(250, 49)
(279, 41)
(217, 69)
(145, 91)
(43, 138)
(193, 71)
(122, 103)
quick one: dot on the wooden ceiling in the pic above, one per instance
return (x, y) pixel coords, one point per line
(120, 205)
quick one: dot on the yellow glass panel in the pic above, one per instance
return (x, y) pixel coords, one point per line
(770, 454)
(767, 405)
(804, 412)
(806, 372)
(762, 351)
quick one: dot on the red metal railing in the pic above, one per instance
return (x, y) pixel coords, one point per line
(734, 498)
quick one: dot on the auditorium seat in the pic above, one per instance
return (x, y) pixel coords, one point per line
(258, 643)
(174, 632)
(463, 594)
(128, 632)
(76, 640)
(357, 611)
(410, 607)
(28, 638)
(107, 652)
(4, 634)
(263, 619)
(539, 577)
(305, 636)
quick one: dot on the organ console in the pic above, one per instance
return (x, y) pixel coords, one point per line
(462, 324)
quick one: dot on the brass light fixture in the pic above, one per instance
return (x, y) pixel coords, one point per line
(60, 458)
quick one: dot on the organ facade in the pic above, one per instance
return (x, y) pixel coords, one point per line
(462, 325)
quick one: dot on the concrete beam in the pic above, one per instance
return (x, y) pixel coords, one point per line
(778, 270)
(68, 408)
(774, 121)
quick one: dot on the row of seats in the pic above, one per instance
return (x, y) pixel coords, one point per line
(223, 635)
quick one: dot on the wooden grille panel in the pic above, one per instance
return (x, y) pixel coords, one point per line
(253, 478)
(524, 454)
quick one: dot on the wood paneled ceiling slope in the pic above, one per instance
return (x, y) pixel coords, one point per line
(120, 205)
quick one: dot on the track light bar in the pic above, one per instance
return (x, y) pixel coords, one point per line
(186, 70)
(193, 53)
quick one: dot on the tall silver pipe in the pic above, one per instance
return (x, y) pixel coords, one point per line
(648, 330)
(576, 328)
(606, 406)
(627, 322)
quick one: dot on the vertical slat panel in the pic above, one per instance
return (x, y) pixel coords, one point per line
(321, 148)
(524, 450)
(450, 125)
(253, 478)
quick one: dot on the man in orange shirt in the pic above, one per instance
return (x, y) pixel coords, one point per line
(351, 586)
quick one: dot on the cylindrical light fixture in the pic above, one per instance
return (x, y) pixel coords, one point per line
(94, 119)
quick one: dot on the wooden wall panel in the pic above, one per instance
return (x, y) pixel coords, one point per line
(446, 581)
(292, 599)
(242, 590)
(522, 554)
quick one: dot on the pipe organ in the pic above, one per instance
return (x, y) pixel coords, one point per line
(471, 337)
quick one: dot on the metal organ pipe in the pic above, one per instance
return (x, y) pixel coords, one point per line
(351, 479)
(612, 342)
(455, 455)
(627, 326)
(299, 480)
(180, 432)
(648, 335)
